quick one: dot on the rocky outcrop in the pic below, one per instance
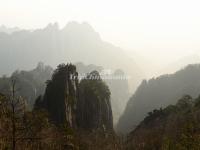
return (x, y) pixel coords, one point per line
(119, 96)
(94, 107)
(60, 97)
(84, 105)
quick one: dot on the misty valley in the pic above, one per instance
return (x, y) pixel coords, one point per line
(68, 89)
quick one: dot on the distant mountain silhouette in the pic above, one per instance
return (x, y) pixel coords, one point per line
(76, 42)
(159, 92)
(4, 29)
(181, 63)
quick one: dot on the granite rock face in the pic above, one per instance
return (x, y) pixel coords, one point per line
(61, 95)
(94, 106)
(84, 105)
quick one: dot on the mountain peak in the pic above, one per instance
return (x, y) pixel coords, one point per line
(54, 26)
(5, 29)
(84, 30)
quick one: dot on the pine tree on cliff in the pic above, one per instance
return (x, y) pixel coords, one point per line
(93, 106)
(60, 97)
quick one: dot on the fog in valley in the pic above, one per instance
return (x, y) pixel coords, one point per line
(50, 50)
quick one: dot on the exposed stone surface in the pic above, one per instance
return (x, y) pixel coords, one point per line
(94, 107)
(83, 105)
(61, 95)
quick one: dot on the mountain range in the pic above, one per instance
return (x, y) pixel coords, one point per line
(76, 42)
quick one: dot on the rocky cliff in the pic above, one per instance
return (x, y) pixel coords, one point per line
(94, 107)
(60, 97)
(83, 105)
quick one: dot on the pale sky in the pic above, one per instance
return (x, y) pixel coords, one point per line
(161, 29)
